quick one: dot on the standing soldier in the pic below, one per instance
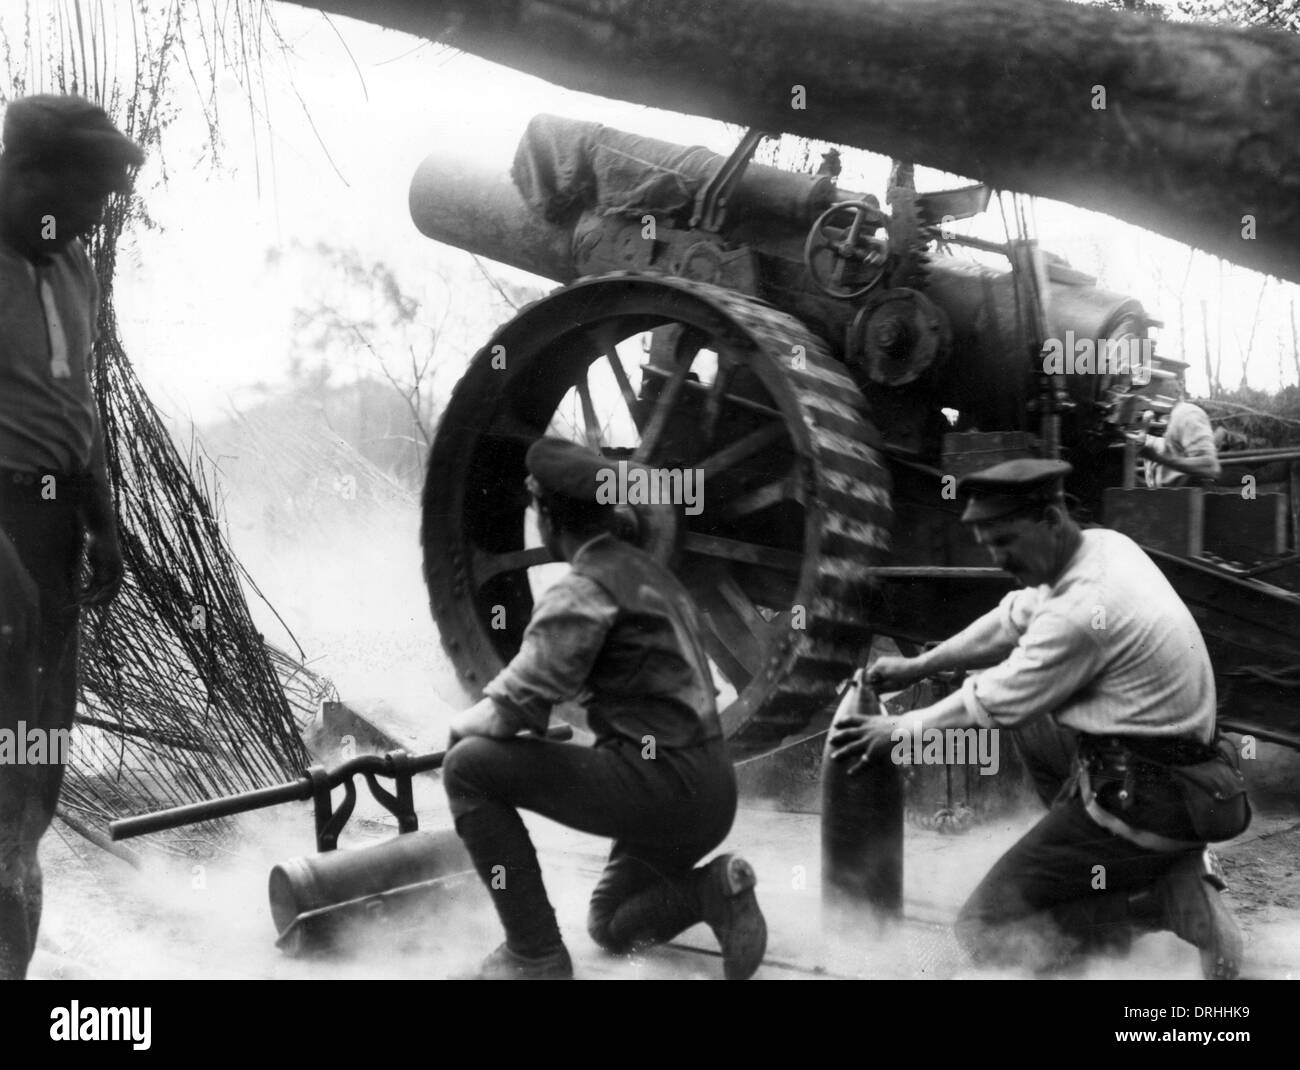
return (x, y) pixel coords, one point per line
(1097, 639)
(62, 158)
(620, 631)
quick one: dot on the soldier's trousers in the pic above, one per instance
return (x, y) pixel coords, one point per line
(664, 814)
(38, 692)
(1063, 889)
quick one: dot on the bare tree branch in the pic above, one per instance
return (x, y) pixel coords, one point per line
(495, 284)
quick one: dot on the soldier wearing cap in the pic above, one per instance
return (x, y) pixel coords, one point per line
(62, 158)
(619, 633)
(1097, 641)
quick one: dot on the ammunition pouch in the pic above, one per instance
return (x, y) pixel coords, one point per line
(1215, 793)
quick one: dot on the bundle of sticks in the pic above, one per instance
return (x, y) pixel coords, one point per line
(180, 697)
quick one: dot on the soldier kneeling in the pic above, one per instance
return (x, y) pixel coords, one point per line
(620, 631)
(1100, 670)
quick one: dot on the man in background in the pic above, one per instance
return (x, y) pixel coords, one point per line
(62, 159)
(1186, 453)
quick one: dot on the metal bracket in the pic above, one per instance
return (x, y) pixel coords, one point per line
(399, 803)
(711, 201)
(329, 822)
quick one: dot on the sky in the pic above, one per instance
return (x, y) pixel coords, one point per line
(203, 313)
(348, 110)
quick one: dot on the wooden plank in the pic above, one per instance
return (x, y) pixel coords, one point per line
(1245, 529)
(1167, 519)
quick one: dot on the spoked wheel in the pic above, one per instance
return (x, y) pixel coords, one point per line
(778, 504)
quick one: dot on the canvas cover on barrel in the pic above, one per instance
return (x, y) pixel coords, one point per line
(564, 167)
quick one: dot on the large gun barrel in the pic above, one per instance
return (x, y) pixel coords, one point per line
(482, 212)
(564, 166)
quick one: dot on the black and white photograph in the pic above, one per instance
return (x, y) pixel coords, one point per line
(650, 490)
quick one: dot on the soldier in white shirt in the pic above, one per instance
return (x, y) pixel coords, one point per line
(1098, 640)
(1186, 453)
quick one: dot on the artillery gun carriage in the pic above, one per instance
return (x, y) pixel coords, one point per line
(824, 369)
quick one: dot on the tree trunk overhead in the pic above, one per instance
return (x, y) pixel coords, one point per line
(1198, 138)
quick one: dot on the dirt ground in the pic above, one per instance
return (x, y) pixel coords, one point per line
(208, 916)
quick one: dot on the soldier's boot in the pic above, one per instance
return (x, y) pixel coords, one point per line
(653, 915)
(726, 892)
(507, 864)
(1186, 901)
(506, 965)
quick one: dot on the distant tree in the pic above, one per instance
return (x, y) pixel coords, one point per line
(1273, 14)
(1271, 420)
(361, 314)
(1149, 8)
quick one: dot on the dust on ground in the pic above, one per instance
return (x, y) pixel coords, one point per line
(348, 584)
(188, 918)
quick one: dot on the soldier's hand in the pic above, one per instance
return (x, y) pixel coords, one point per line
(481, 719)
(462, 725)
(892, 673)
(105, 556)
(1137, 434)
(861, 737)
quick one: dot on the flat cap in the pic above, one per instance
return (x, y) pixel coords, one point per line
(1011, 486)
(48, 128)
(563, 467)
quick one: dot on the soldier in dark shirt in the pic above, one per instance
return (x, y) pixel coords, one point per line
(62, 159)
(620, 633)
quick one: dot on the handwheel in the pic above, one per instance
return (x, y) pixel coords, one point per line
(843, 257)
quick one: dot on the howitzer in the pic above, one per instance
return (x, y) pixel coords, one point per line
(584, 200)
(829, 365)
(317, 900)
(828, 369)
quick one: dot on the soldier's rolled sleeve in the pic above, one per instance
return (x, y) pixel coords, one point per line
(560, 645)
(1053, 660)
